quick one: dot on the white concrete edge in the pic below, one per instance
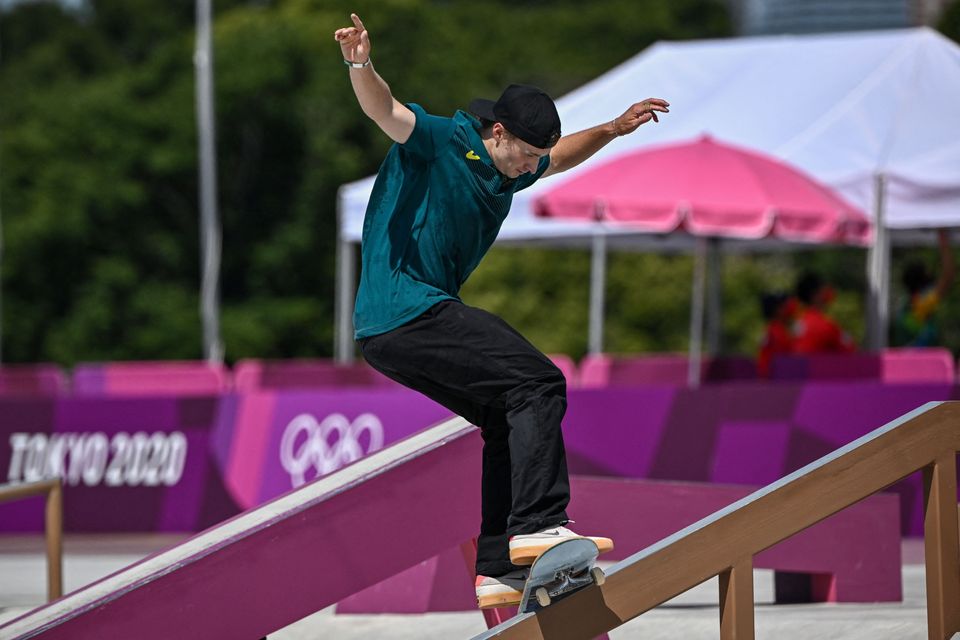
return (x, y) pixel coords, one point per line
(203, 544)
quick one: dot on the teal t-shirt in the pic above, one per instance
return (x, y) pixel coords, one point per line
(435, 209)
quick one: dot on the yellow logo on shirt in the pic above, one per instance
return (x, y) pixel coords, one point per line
(472, 156)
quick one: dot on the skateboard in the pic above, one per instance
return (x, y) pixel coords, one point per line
(560, 571)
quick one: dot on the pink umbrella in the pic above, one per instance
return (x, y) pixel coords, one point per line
(708, 188)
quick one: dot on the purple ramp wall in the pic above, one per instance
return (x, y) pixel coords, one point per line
(184, 463)
(128, 464)
(737, 433)
(291, 557)
(852, 556)
(856, 550)
(240, 450)
(277, 441)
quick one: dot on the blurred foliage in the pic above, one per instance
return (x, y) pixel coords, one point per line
(949, 24)
(99, 187)
(648, 296)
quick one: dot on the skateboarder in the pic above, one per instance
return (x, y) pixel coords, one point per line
(440, 197)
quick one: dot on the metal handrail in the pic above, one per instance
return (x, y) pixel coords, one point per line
(725, 543)
(53, 525)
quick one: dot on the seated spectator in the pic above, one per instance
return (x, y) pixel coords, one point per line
(814, 330)
(916, 322)
(779, 310)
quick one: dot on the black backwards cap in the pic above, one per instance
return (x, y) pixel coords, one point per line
(526, 112)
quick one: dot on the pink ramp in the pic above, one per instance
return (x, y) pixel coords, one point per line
(291, 557)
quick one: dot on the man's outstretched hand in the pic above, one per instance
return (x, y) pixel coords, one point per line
(354, 41)
(638, 114)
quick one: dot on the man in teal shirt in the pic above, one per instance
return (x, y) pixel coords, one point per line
(425, 231)
(440, 197)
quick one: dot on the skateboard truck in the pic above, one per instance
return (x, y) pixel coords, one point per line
(560, 571)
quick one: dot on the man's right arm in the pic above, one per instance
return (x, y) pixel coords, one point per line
(372, 92)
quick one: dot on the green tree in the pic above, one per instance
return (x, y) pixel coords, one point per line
(98, 158)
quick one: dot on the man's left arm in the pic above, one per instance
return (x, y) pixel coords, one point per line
(573, 149)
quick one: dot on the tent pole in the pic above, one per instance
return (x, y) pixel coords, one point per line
(697, 303)
(878, 271)
(598, 278)
(714, 294)
(883, 306)
(345, 293)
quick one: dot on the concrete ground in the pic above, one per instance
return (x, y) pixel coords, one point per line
(691, 616)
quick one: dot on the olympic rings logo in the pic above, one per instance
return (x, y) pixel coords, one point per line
(326, 446)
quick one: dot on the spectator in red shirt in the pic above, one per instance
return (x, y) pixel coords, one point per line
(779, 310)
(814, 331)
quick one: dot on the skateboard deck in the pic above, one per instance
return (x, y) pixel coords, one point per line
(559, 572)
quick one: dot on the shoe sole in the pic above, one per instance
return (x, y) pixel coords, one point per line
(497, 600)
(528, 554)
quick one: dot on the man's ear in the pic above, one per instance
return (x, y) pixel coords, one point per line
(498, 131)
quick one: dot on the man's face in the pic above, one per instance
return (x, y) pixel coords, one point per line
(512, 156)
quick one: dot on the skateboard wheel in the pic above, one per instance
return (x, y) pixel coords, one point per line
(598, 575)
(542, 596)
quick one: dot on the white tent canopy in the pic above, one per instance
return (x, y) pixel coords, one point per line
(874, 115)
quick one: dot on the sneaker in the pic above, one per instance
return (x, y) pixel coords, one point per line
(525, 548)
(501, 591)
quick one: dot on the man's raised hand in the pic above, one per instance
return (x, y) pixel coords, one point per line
(638, 114)
(354, 41)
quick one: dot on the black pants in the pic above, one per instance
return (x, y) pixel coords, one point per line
(479, 367)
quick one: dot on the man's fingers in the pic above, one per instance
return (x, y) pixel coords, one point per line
(346, 33)
(651, 106)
